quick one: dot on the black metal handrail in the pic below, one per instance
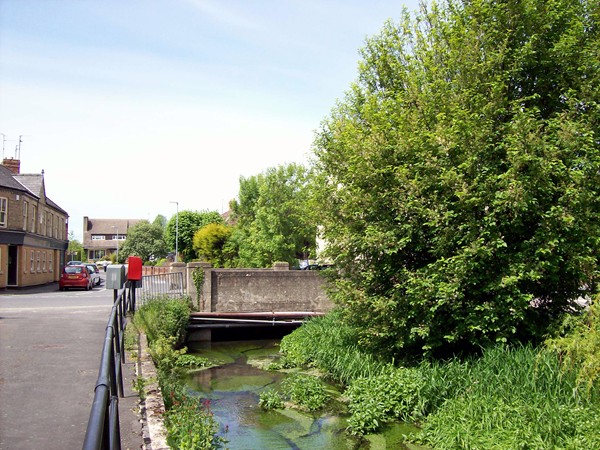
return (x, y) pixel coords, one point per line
(103, 431)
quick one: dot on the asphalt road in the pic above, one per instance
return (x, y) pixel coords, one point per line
(50, 347)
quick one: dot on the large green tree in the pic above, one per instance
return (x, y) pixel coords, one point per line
(185, 225)
(459, 178)
(145, 240)
(273, 217)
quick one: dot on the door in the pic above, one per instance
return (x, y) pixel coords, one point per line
(13, 263)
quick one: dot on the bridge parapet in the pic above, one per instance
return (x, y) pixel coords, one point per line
(248, 290)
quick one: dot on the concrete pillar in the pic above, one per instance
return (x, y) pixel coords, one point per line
(204, 301)
(178, 267)
(281, 265)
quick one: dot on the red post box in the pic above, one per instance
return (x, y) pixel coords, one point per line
(135, 268)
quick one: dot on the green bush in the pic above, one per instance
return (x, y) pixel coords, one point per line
(395, 394)
(305, 390)
(191, 426)
(164, 354)
(270, 399)
(185, 360)
(578, 345)
(164, 317)
(188, 421)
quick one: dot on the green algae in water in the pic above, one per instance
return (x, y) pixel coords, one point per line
(233, 391)
(392, 436)
(242, 383)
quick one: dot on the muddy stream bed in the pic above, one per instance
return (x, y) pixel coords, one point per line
(233, 388)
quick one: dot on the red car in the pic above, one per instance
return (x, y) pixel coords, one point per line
(75, 276)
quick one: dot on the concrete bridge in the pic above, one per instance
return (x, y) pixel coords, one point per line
(245, 298)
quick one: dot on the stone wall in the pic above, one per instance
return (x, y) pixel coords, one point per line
(256, 290)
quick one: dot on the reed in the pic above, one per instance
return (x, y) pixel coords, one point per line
(506, 398)
(330, 345)
(512, 398)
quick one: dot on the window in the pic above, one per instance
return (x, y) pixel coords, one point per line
(25, 205)
(3, 208)
(97, 237)
(49, 224)
(32, 268)
(33, 218)
(120, 237)
(39, 262)
(44, 262)
(50, 260)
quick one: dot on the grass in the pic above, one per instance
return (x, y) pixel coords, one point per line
(327, 344)
(188, 420)
(512, 398)
(506, 398)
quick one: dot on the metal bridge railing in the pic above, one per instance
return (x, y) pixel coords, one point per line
(103, 431)
(161, 285)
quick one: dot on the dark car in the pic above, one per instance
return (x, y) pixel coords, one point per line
(75, 277)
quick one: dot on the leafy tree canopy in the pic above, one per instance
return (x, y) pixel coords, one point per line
(211, 242)
(75, 250)
(160, 221)
(459, 178)
(273, 217)
(145, 240)
(188, 223)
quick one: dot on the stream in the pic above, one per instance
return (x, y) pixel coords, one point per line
(233, 387)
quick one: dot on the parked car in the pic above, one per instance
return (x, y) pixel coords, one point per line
(94, 273)
(74, 263)
(75, 276)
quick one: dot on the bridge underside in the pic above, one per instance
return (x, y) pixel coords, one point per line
(207, 326)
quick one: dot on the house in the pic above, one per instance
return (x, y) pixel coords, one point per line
(33, 229)
(102, 237)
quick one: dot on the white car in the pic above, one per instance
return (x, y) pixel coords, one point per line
(94, 274)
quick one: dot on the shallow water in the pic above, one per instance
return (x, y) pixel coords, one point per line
(233, 389)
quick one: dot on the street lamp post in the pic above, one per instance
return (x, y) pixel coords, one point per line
(176, 230)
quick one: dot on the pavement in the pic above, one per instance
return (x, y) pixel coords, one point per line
(50, 349)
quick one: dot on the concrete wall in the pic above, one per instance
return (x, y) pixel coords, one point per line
(256, 290)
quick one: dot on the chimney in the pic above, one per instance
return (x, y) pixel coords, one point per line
(14, 165)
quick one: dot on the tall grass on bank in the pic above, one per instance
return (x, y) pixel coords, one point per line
(512, 399)
(507, 398)
(188, 421)
(164, 317)
(578, 345)
(328, 344)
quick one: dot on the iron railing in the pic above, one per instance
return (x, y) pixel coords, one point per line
(161, 285)
(103, 431)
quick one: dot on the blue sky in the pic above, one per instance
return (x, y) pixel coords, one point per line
(128, 105)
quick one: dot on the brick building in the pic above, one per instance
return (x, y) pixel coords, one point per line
(102, 237)
(33, 229)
